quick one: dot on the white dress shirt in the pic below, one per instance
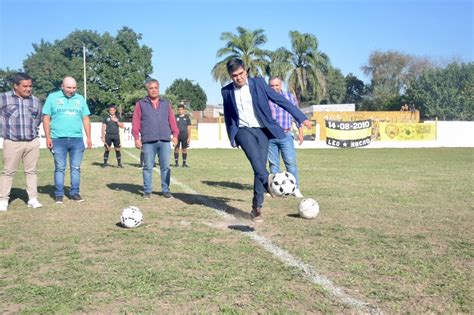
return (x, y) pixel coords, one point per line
(243, 99)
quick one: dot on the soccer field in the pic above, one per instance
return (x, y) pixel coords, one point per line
(395, 233)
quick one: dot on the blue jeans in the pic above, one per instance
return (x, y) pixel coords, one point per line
(254, 143)
(163, 150)
(286, 147)
(61, 147)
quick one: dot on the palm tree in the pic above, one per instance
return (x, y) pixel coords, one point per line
(246, 46)
(280, 64)
(306, 68)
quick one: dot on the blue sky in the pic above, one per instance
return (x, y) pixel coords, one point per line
(184, 35)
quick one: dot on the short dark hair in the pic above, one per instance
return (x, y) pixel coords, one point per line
(151, 81)
(181, 106)
(20, 76)
(234, 64)
(274, 78)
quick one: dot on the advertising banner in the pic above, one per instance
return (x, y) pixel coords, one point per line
(348, 134)
(375, 117)
(407, 131)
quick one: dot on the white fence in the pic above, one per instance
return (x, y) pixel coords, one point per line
(214, 135)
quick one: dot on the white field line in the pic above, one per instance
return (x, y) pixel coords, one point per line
(309, 271)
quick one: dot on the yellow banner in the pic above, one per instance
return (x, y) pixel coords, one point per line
(194, 133)
(405, 132)
(376, 117)
(347, 134)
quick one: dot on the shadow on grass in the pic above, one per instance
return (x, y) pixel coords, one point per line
(109, 165)
(216, 203)
(137, 165)
(228, 185)
(131, 188)
(18, 193)
(241, 228)
(49, 189)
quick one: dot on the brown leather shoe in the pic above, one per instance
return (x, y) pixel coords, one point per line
(256, 215)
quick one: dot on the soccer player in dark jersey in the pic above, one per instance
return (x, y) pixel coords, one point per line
(184, 125)
(110, 135)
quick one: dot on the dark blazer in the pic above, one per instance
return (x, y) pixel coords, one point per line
(261, 93)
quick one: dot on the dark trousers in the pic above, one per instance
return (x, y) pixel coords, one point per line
(254, 142)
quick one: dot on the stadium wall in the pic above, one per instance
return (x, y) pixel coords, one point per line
(214, 135)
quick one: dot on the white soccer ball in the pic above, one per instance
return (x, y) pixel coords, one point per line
(283, 184)
(131, 217)
(308, 208)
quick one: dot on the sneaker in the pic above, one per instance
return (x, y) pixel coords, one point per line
(104, 165)
(298, 193)
(59, 199)
(3, 205)
(34, 203)
(185, 165)
(77, 198)
(167, 195)
(120, 165)
(146, 195)
(256, 215)
(176, 165)
(270, 190)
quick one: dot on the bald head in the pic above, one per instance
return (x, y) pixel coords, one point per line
(69, 86)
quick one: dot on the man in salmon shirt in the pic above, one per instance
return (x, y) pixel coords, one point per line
(153, 124)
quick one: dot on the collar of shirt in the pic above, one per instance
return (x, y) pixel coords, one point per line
(243, 100)
(238, 88)
(20, 97)
(155, 102)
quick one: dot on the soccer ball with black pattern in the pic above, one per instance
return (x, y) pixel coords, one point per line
(308, 208)
(283, 184)
(131, 217)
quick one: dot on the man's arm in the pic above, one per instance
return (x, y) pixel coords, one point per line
(229, 122)
(300, 135)
(103, 132)
(87, 128)
(39, 117)
(189, 129)
(137, 125)
(47, 130)
(173, 125)
(281, 101)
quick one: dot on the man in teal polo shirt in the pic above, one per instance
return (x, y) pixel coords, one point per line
(65, 112)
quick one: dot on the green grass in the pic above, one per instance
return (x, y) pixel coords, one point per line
(395, 230)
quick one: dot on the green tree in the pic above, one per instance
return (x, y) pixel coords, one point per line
(446, 93)
(6, 77)
(246, 46)
(390, 74)
(280, 64)
(355, 90)
(185, 90)
(309, 68)
(116, 66)
(129, 101)
(336, 86)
